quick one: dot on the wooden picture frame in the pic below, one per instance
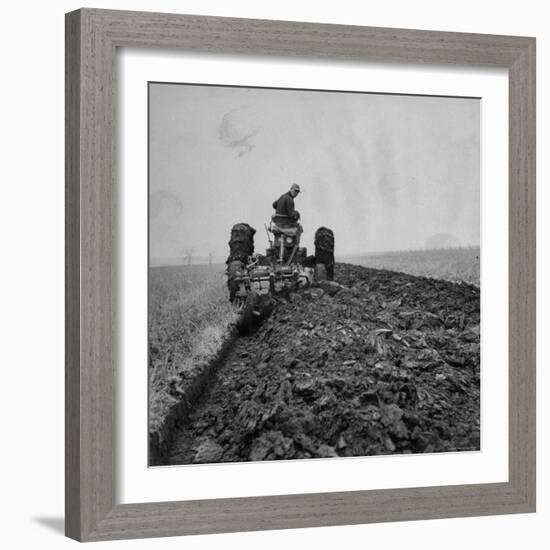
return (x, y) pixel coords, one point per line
(92, 38)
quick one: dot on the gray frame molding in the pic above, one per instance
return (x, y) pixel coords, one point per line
(92, 37)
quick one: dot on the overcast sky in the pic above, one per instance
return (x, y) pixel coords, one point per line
(385, 172)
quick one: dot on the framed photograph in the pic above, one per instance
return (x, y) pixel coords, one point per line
(300, 275)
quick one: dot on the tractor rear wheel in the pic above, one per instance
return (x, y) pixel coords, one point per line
(324, 253)
(241, 243)
(241, 247)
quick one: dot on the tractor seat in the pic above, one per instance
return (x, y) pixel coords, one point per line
(287, 231)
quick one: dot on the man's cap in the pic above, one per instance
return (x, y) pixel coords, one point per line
(295, 187)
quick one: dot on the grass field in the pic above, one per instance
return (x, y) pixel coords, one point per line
(189, 314)
(451, 264)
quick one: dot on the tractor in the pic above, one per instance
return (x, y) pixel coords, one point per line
(285, 266)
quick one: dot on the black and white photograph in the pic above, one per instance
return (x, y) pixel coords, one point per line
(314, 274)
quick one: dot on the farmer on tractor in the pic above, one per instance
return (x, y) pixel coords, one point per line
(285, 265)
(286, 216)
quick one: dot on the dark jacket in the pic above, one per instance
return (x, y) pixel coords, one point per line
(284, 208)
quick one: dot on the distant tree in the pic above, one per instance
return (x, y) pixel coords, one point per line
(188, 254)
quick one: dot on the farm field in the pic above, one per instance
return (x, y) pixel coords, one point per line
(190, 319)
(189, 315)
(377, 362)
(449, 264)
